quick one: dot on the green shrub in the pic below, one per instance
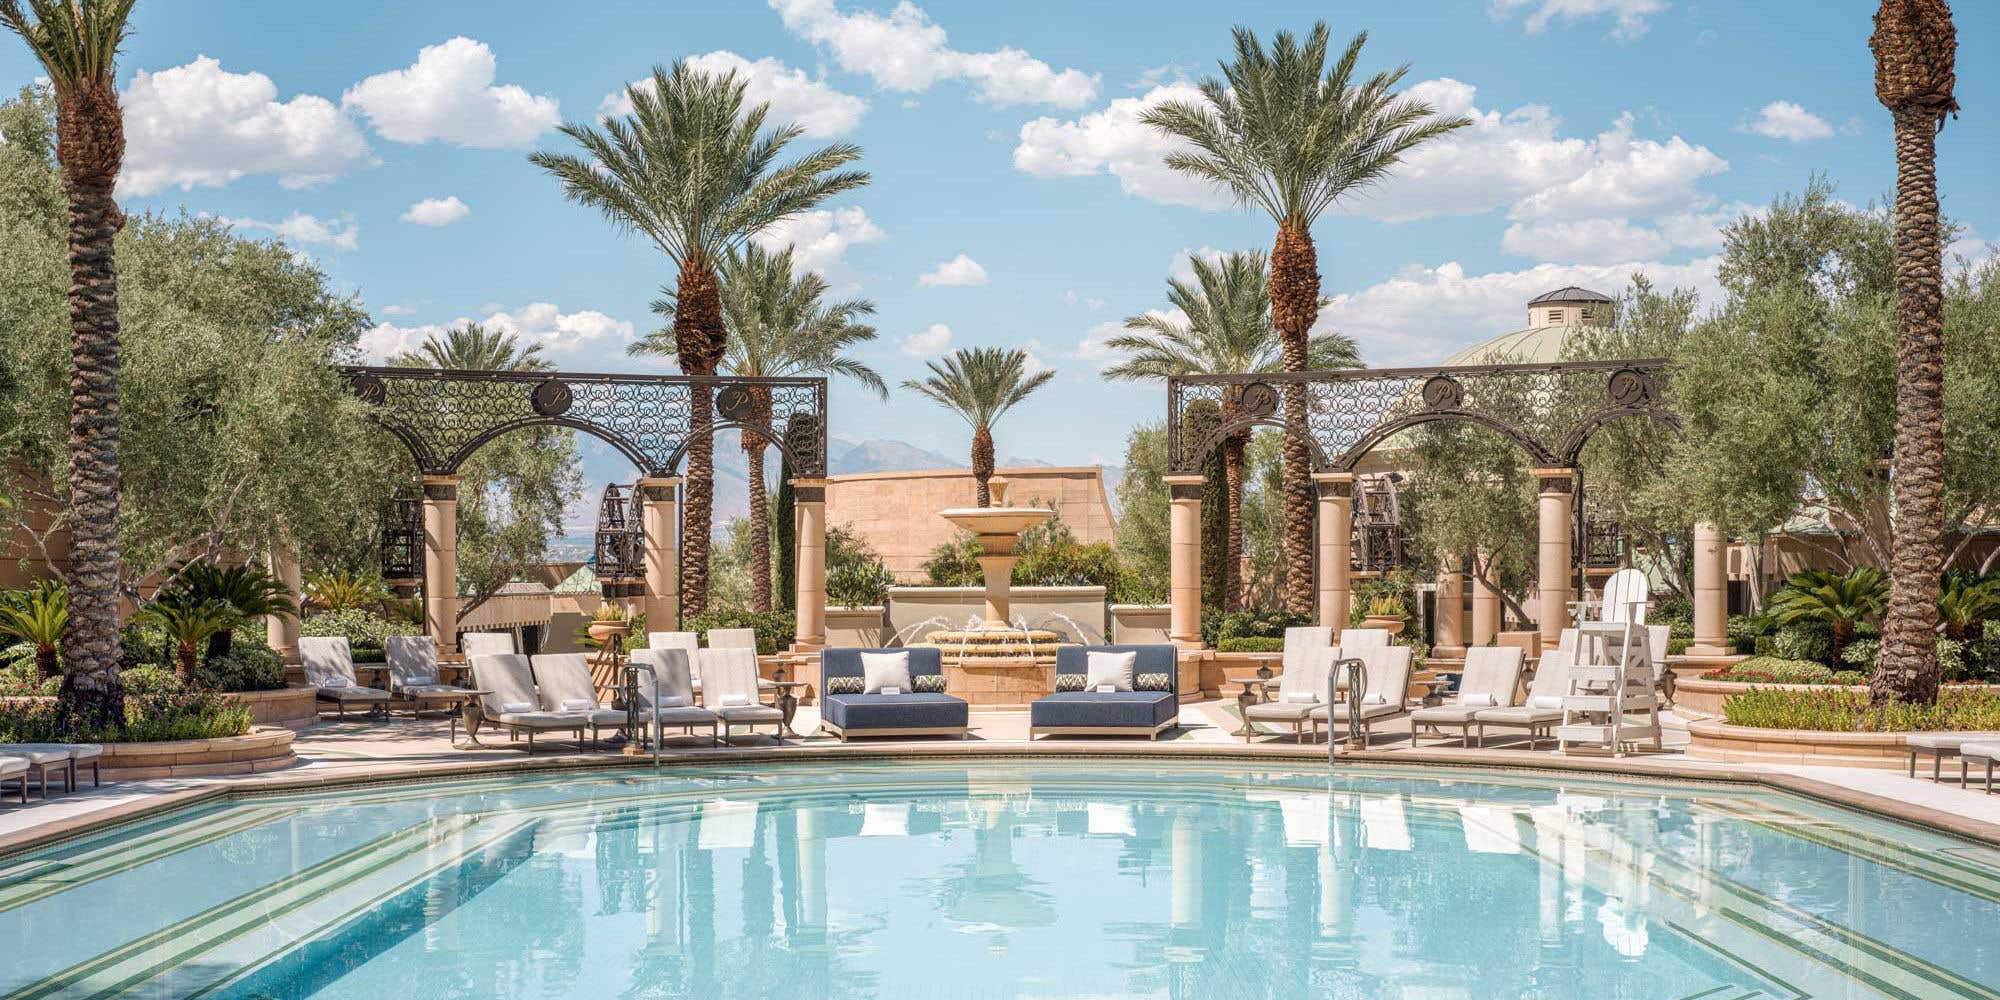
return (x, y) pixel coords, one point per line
(859, 584)
(775, 629)
(150, 679)
(1250, 622)
(1773, 670)
(1745, 630)
(1251, 644)
(179, 714)
(1861, 653)
(1841, 711)
(248, 666)
(1675, 612)
(1804, 641)
(367, 632)
(17, 674)
(1137, 588)
(1849, 678)
(1677, 645)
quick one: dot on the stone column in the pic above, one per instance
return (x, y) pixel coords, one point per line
(282, 631)
(809, 516)
(1184, 560)
(1711, 592)
(1450, 632)
(1336, 545)
(441, 561)
(659, 515)
(1552, 570)
(1485, 608)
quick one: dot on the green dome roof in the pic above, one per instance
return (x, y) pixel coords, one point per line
(1533, 345)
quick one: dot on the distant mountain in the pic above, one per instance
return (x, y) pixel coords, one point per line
(888, 456)
(1026, 463)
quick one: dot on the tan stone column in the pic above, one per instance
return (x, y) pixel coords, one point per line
(1556, 499)
(1184, 560)
(1336, 545)
(1450, 632)
(282, 631)
(441, 561)
(1711, 592)
(659, 516)
(1485, 608)
(809, 515)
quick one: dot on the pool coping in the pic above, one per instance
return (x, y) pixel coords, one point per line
(58, 831)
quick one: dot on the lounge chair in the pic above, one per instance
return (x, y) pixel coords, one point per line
(40, 760)
(732, 638)
(1984, 752)
(510, 701)
(1492, 673)
(1385, 688)
(919, 707)
(77, 755)
(1941, 745)
(564, 686)
(415, 679)
(1544, 709)
(16, 769)
(674, 682)
(1152, 706)
(1301, 689)
(729, 689)
(1356, 639)
(329, 669)
(471, 644)
(690, 642)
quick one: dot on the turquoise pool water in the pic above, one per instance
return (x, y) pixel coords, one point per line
(1008, 879)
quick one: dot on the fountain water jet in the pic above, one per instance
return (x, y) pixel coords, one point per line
(997, 640)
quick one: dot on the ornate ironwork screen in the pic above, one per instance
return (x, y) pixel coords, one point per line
(403, 544)
(444, 415)
(1550, 410)
(1378, 525)
(621, 542)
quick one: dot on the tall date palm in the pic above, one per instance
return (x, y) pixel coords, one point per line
(981, 384)
(1916, 50)
(77, 43)
(695, 171)
(1223, 326)
(780, 324)
(1282, 131)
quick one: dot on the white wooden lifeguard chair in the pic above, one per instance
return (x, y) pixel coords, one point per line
(1612, 677)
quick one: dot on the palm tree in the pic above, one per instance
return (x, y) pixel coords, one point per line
(247, 588)
(1915, 48)
(1278, 135)
(779, 326)
(343, 591)
(77, 42)
(695, 171)
(189, 622)
(980, 384)
(1966, 601)
(37, 617)
(1224, 326)
(472, 347)
(1838, 600)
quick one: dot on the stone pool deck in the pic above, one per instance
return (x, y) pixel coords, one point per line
(362, 749)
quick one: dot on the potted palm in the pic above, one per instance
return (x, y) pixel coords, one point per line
(1386, 612)
(609, 620)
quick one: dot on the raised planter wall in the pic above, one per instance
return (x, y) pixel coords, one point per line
(265, 748)
(1711, 739)
(1139, 623)
(1694, 696)
(864, 627)
(292, 708)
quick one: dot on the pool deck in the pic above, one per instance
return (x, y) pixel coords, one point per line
(367, 750)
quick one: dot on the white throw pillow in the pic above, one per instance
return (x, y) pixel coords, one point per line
(1546, 701)
(736, 701)
(1114, 669)
(1299, 697)
(885, 670)
(1480, 700)
(517, 707)
(578, 705)
(1375, 698)
(422, 680)
(675, 701)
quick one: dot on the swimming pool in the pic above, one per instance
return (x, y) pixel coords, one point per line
(1008, 879)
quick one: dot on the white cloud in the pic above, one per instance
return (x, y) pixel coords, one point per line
(1092, 347)
(1629, 15)
(437, 211)
(794, 97)
(1073, 297)
(397, 310)
(1181, 268)
(1423, 314)
(1593, 240)
(822, 237)
(448, 95)
(960, 270)
(1790, 121)
(1627, 177)
(1113, 141)
(300, 229)
(200, 124)
(926, 343)
(571, 336)
(905, 50)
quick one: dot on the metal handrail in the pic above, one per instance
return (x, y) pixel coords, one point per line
(1356, 672)
(632, 668)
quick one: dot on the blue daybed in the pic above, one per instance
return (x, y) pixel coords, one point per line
(1149, 710)
(926, 711)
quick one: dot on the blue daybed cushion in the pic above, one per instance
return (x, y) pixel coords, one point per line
(844, 661)
(1112, 709)
(909, 710)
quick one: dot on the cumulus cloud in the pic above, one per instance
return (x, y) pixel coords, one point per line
(1629, 17)
(960, 270)
(448, 95)
(1181, 267)
(1423, 314)
(794, 97)
(926, 343)
(300, 229)
(437, 211)
(1092, 345)
(1789, 121)
(1627, 176)
(1113, 141)
(200, 124)
(905, 50)
(1618, 239)
(576, 335)
(397, 310)
(821, 238)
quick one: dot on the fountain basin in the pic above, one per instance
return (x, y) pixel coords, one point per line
(996, 520)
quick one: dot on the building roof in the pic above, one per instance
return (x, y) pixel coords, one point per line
(1569, 294)
(1533, 345)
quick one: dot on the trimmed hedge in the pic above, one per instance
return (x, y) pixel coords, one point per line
(775, 629)
(1835, 710)
(1252, 644)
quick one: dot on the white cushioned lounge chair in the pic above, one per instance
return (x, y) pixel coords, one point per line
(1301, 689)
(729, 689)
(1355, 639)
(686, 641)
(471, 644)
(16, 769)
(1385, 688)
(415, 678)
(510, 701)
(564, 685)
(674, 684)
(75, 757)
(329, 669)
(1544, 708)
(1492, 674)
(40, 760)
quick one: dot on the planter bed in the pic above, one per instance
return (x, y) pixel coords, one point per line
(1712, 739)
(292, 708)
(263, 748)
(1696, 696)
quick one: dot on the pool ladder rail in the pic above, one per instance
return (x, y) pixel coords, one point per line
(1355, 671)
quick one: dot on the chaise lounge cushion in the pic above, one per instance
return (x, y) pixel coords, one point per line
(1107, 709)
(894, 711)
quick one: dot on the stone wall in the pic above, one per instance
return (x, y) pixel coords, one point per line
(896, 512)
(910, 605)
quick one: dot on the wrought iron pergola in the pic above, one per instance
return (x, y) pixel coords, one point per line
(621, 542)
(444, 415)
(403, 544)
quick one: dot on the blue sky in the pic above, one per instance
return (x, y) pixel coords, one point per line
(388, 140)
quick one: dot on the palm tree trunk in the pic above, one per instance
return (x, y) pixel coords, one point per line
(698, 338)
(1294, 307)
(760, 524)
(184, 661)
(1232, 478)
(46, 663)
(982, 466)
(1908, 669)
(91, 694)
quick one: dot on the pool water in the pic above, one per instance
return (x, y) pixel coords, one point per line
(1009, 879)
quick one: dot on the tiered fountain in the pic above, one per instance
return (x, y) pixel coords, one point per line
(996, 661)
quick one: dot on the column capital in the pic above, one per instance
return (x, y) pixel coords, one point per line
(1557, 479)
(808, 490)
(1184, 480)
(440, 488)
(659, 488)
(1333, 477)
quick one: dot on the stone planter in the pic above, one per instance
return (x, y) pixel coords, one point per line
(863, 627)
(1134, 624)
(264, 748)
(1710, 739)
(292, 708)
(1394, 626)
